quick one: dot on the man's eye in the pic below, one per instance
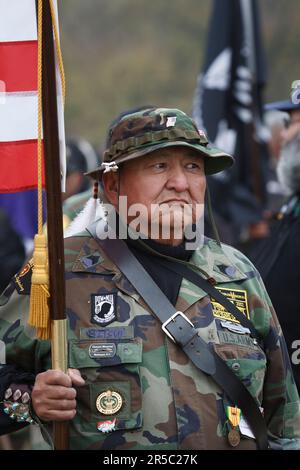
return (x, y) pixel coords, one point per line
(159, 165)
(193, 166)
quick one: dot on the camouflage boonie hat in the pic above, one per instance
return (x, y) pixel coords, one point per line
(139, 133)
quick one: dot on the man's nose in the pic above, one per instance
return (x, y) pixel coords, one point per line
(177, 180)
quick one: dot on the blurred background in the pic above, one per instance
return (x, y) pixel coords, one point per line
(122, 53)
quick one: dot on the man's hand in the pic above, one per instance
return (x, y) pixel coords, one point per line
(53, 396)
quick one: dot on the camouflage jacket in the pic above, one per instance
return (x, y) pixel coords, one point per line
(157, 398)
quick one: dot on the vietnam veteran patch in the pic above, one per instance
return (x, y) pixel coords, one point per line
(237, 297)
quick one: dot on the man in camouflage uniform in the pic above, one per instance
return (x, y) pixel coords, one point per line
(129, 386)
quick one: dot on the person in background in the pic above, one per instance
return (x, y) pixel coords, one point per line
(12, 257)
(276, 121)
(12, 252)
(81, 157)
(73, 204)
(278, 259)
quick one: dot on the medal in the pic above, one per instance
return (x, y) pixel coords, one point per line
(234, 437)
(234, 416)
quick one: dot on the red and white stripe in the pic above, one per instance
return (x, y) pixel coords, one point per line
(18, 96)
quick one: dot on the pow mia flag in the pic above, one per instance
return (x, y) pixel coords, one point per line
(228, 106)
(103, 308)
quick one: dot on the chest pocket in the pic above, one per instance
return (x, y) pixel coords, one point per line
(112, 397)
(245, 358)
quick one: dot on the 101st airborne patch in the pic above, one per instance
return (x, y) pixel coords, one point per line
(237, 297)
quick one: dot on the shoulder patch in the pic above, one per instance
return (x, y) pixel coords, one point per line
(22, 280)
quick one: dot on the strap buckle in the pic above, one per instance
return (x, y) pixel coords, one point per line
(172, 318)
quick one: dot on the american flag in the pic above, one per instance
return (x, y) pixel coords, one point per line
(19, 98)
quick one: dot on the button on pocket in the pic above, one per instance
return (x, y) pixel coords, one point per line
(248, 363)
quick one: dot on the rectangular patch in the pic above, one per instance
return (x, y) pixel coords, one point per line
(113, 333)
(235, 327)
(239, 340)
(86, 353)
(99, 351)
(237, 297)
(103, 308)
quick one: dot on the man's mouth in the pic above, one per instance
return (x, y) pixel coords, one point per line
(174, 202)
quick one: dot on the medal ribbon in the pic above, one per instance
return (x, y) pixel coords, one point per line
(234, 415)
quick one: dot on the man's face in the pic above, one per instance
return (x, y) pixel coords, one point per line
(288, 168)
(169, 182)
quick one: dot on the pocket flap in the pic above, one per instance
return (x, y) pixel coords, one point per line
(95, 353)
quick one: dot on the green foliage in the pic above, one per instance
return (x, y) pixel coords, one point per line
(120, 54)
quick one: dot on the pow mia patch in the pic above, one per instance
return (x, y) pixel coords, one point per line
(237, 297)
(103, 308)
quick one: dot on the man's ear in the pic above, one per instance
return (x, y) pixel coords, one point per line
(110, 182)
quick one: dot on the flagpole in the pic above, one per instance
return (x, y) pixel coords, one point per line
(54, 211)
(247, 14)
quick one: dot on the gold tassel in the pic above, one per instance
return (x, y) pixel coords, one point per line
(39, 295)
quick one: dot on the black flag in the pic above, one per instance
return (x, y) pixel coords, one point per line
(228, 106)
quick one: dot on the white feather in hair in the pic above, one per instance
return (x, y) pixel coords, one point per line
(92, 211)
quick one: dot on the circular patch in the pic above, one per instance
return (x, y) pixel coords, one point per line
(109, 402)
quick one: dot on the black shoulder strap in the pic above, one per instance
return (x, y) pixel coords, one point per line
(214, 293)
(180, 329)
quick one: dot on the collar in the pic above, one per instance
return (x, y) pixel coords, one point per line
(219, 262)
